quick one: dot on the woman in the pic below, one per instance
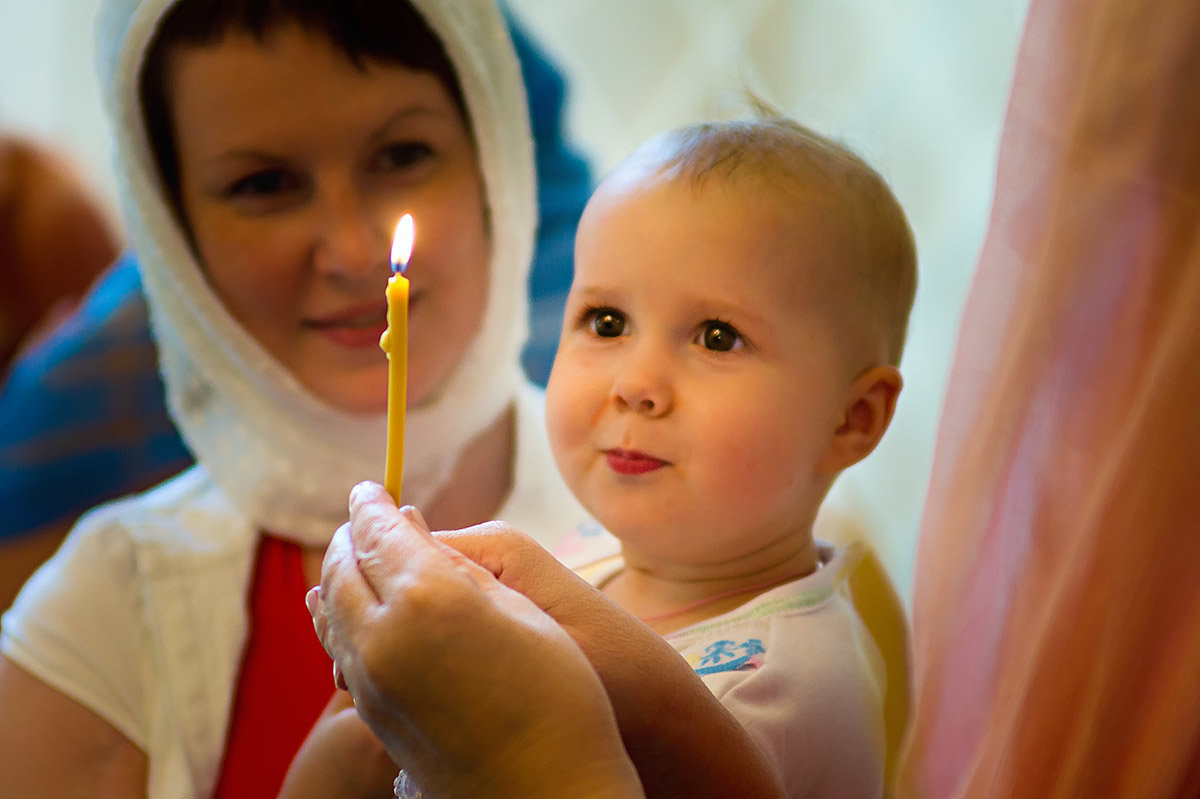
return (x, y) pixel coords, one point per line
(265, 154)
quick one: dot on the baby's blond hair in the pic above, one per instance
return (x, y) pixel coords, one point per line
(782, 155)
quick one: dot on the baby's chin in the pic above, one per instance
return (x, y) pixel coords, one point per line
(647, 540)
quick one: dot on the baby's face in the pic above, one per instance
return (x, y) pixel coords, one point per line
(697, 383)
(295, 166)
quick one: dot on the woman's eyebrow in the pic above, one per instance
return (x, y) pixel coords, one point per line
(404, 115)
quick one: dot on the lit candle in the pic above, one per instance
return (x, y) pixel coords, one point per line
(394, 342)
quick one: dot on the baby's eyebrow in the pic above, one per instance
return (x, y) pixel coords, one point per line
(596, 293)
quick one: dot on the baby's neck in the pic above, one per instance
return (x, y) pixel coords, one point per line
(670, 596)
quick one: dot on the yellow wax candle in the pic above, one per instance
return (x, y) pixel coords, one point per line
(395, 343)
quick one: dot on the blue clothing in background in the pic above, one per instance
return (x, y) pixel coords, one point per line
(83, 415)
(564, 185)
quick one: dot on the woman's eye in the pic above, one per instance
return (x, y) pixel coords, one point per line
(721, 337)
(262, 184)
(607, 322)
(403, 155)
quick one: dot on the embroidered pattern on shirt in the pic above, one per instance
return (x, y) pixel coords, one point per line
(727, 655)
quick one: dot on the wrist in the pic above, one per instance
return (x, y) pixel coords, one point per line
(584, 759)
(576, 765)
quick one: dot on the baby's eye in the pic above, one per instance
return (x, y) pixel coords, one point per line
(720, 337)
(402, 155)
(606, 322)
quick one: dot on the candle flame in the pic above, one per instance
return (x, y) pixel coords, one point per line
(402, 244)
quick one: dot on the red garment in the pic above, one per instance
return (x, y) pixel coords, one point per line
(285, 683)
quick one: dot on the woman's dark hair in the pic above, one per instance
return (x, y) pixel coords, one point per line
(364, 30)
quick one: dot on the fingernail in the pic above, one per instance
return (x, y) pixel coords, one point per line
(415, 517)
(357, 495)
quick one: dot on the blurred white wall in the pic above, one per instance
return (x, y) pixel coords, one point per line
(918, 87)
(47, 85)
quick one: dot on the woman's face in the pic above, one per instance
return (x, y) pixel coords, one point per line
(294, 167)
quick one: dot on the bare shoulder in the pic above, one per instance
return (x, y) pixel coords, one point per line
(50, 745)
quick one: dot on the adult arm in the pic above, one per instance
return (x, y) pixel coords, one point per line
(340, 759)
(51, 745)
(71, 676)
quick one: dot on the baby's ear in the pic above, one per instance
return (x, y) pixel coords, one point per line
(869, 408)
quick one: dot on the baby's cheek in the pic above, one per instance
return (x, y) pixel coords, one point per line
(736, 459)
(561, 418)
(752, 465)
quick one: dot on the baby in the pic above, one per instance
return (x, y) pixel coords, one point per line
(730, 345)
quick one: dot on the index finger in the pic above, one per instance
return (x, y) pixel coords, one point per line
(386, 539)
(373, 515)
(378, 527)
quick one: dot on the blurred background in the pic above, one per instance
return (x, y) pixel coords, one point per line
(917, 87)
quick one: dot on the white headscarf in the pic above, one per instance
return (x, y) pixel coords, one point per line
(283, 457)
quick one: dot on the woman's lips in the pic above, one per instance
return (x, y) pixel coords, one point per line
(623, 461)
(354, 337)
(353, 328)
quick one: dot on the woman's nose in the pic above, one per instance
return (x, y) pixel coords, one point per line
(642, 384)
(351, 242)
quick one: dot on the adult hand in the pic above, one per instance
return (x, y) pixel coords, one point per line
(468, 684)
(679, 736)
(682, 740)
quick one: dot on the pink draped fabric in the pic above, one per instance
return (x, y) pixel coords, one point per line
(1057, 596)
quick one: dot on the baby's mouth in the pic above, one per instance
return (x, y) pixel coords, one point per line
(632, 462)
